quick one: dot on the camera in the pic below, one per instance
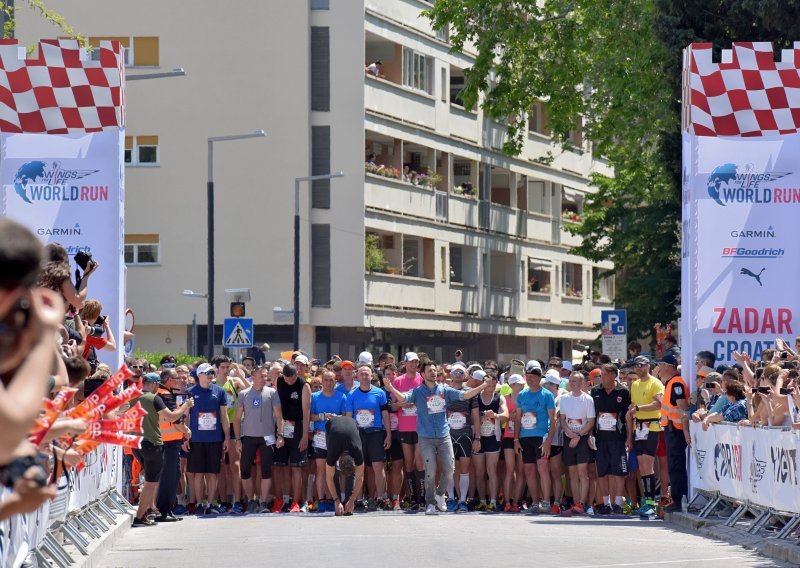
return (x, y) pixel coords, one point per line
(84, 260)
(95, 330)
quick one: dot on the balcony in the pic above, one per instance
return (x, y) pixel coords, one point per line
(462, 299)
(540, 306)
(572, 310)
(539, 227)
(400, 292)
(399, 196)
(411, 105)
(463, 124)
(463, 211)
(502, 302)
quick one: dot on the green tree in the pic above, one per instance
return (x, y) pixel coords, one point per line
(374, 260)
(8, 10)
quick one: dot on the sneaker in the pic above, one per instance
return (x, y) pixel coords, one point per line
(252, 506)
(507, 508)
(441, 506)
(544, 507)
(314, 506)
(626, 508)
(480, 506)
(237, 509)
(304, 507)
(491, 507)
(604, 509)
(212, 510)
(523, 506)
(277, 505)
(396, 505)
(145, 522)
(322, 506)
(647, 512)
(152, 514)
(199, 510)
(406, 504)
(370, 505)
(462, 508)
(222, 508)
(515, 507)
(578, 509)
(295, 508)
(589, 510)
(287, 505)
(181, 510)
(555, 509)
(430, 509)
(451, 505)
(264, 509)
(617, 510)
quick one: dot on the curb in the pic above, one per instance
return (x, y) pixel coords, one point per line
(782, 550)
(99, 547)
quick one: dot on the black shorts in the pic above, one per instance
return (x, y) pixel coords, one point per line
(647, 447)
(489, 445)
(151, 458)
(252, 445)
(409, 438)
(290, 454)
(611, 458)
(462, 445)
(395, 452)
(507, 443)
(556, 451)
(319, 454)
(204, 457)
(372, 445)
(580, 454)
(531, 449)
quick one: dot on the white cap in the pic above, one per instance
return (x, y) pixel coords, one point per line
(473, 367)
(531, 365)
(365, 357)
(460, 365)
(411, 356)
(567, 365)
(552, 376)
(516, 379)
(301, 359)
(479, 375)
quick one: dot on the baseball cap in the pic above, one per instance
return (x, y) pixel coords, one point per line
(348, 363)
(474, 367)
(669, 359)
(516, 379)
(411, 356)
(713, 377)
(458, 366)
(567, 365)
(204, 368)
(365, 357)
(553, 377)
(641, 360)
(301, 359)
(479, 375)
(594, 373)
(705, 371)
(532, 366)
(151, 378)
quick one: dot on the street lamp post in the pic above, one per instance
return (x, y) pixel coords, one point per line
(210, 205)
(297, 181)
(191, 294)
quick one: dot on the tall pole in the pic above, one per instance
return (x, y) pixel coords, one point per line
(296, 330)
(194, 334)
(210, 205)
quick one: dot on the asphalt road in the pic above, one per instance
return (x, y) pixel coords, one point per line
(388, 540)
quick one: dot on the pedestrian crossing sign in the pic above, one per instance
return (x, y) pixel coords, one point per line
(237, 332)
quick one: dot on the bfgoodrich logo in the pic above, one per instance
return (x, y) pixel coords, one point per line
(36, 181)
(730, 184)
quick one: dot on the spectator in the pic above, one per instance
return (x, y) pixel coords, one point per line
(634, 349)
(734, 411)
(96, 326)
(375, 68)
(55, 276)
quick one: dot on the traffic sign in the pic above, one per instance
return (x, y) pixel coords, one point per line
(614, 328)
(237, 332)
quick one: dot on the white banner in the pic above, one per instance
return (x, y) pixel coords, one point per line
(756, 464)
(70, 189)
(741, 204)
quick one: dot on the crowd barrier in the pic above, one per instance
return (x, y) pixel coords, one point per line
(85, 507)
(752, 470)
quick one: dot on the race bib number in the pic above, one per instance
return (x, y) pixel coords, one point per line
(228, 399)
(607, 421)
(575, 424)
(435, 403)
(207, 421)
(365, 418)
(409, 410)
(510, 426)
(642, 431)
(528, 420)
(270, 440)
(288, 428)
(487, 427)
(457, 420)
(319, 440)
(394, 423)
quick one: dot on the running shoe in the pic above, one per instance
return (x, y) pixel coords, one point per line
(252, 507)
(304, 507)
(396, 505)
(264, 509)
(523, 506)
(515, 507)
(145, 522)
(626, 508)
(647, 512)
(277, 505)
(370, 505)
(589, 510)
(322, 506)
(462, 508)
(617, 510)
(604, 509)
(642, 509)
(181, 510)
(491, 508)
(451, 505)
(237, 508)
(223, 508)
(555, 509)
(430, 509)
(578, 509)
(295, 508)
(544, 507)
(406, 504)
(287, 506)
(480, 506)
(199, 510)
(213, 510)
(507, 508)
(441, 506)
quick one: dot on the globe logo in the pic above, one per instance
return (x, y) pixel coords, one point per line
(721, 176)
(29, 172)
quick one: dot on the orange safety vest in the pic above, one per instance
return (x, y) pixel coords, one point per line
(670, 412)
(169, 432)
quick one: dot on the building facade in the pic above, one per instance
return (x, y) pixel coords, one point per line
(469, 246)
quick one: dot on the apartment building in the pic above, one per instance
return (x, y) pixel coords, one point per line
(469, 246)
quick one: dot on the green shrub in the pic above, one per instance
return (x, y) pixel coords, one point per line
(155, 357)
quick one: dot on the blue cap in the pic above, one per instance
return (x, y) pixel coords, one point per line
(669, 359)
(151, 378)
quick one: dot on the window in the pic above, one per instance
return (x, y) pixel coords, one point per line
(572, 280)
(411, 263)
(443, 263)
(504, 275)
(321, 266)
(320, 69)
(463, 265)
(571, 204)
(456, 264)
(320, 165)
(139, 51)
(538, 197)
(538, 276)
(537, 119)
(141, 151)
(417, 70)
(142, 249)
(443, 33)
(320, 5)
(603, 284)
(457, 83)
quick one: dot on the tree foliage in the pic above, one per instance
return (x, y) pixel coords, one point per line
(618, 66)
(8, 10)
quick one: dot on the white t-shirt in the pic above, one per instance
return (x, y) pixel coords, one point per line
(577, 410)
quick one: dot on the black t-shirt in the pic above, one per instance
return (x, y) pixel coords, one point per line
(341, 435)
(291, 399)
(610, 409)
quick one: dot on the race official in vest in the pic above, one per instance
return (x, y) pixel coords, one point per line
(171, 390)
(675, 422)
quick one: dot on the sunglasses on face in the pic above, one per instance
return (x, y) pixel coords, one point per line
(169, 365)
(457, 374)
(137, 367)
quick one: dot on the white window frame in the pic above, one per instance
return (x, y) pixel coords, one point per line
(417, 71)
(575, 269)
(135, 154)
(135, 248)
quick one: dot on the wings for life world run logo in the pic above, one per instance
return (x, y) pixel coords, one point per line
(730, 184)
(40, 181)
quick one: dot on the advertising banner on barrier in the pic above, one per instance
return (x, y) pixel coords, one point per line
(757, 464)
(69, 189)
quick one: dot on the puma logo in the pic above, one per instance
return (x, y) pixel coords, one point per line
(746, 272)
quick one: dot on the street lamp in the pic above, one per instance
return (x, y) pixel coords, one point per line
(179, 72)
(296, 327)
(190, 294)
(210, 205)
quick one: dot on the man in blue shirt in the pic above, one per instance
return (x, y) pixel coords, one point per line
(325, 404)
(534, 427)
(431, 400)
(209, 425)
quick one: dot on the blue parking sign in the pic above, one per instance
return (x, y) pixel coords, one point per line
(614, 322)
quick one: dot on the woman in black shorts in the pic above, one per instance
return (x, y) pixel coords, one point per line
(491, 411)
